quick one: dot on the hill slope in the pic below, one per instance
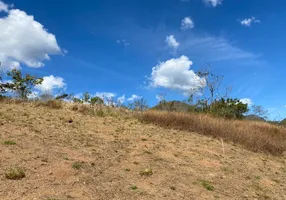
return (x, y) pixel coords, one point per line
(177, 106)
(67, 155)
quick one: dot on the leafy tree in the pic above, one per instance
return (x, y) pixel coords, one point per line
(22, 85)
(228, 108)
(96, 100)
(86, 97)
(77, 100)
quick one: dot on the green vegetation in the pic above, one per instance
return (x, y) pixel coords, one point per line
(21, 85)
(207, 185)
(15, 173)
(9, 142)
(133, 187)
(77, 165)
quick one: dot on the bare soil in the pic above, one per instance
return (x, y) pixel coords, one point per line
(113, 151)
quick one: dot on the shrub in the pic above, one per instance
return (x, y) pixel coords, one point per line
(15, 173)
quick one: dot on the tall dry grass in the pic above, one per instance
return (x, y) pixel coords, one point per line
(255, 136)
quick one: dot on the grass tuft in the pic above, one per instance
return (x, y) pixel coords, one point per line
(207, 185)
(9, 142)
(146, 172)
(77, 165)
(15, 173)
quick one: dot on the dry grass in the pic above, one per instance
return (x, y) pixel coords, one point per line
(114, 151)
(55, 104)
(256, 136)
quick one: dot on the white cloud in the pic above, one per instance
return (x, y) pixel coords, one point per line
(24, 40)
(121, 99)
(134, 97)
(187, 23)
(105, 95)
(176, 74)
(3, 7)
(171, 41)
(159, 98)
(123, 42)
(246, 101)
(248, 22)
(50, 83)
(214, 3)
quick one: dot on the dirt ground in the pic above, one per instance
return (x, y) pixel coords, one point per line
(66, 155)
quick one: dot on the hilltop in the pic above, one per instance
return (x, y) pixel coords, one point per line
(65, 154)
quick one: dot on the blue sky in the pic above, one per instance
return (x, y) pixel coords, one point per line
(112, 46)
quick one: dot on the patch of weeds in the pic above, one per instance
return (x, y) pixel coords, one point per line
(127, 170)
(257, 177)
(15, 173)
(77, 165)
(207, 185)
(65, 158)
(9, 142)
(144, 139)
(146, 172)
(133, 187)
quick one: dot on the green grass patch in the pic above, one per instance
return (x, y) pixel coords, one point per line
(9, 142)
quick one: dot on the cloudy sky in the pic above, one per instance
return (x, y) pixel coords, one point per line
(127, 49)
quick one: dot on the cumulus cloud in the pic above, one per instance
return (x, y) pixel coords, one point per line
(214, 3)
(51, 83)
(246, 101)
(175, 74)
(105, 95)
(187, 23)
(249, 21)
(121, 99)
(172, 42)
(24, 40)
(3, 7)
(134, 97)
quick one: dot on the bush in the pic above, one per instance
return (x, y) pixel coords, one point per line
(15, 173)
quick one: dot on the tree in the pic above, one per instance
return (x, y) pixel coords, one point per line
(259, 111)
(86, 97)
(228, 108)
(140, 104)
(22, 85)
(2, 85)
(96, 100)
(212, 85)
